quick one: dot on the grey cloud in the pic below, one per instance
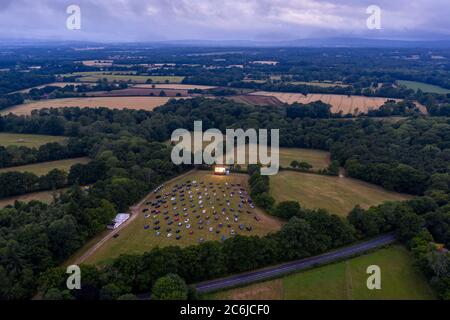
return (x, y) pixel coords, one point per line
(220, 19)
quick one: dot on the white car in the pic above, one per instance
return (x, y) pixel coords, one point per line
(169, 235)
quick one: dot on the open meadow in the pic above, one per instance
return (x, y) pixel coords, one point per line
(28, 140)
(317, 158)
(338, 195)
(43, 168)
(196, 207)
(137, 103)
(345, 280)
(425, 87)
(43, 196)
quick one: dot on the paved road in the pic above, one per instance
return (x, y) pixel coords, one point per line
(298, 265)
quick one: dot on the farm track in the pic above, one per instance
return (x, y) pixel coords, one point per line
(134, 210)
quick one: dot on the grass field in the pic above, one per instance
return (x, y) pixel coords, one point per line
(338, 195)
(135, 239)
(339, 103)
(94, 76)
(317, 158)
(44, 196)
(425, 87)
(27, 140)
(344, 280)
(44, 167)
(144, 103)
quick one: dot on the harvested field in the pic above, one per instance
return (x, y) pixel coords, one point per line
(339, 103)
(259, 100)
(137, 103)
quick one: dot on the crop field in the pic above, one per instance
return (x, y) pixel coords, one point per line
(144, 103)
(425, 87)
(193, 208)
(27, 140)
(44, 196)
(256, 100)
(345, 280)
(44, 167)
(339, 103)
(338, 195)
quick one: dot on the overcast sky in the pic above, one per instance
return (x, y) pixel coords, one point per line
(147, 20)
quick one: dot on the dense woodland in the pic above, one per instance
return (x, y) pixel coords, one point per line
(129, 158)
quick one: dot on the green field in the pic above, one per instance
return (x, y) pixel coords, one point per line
(27, 140)
(338, 195)
(95, 76)
(344, 280)
(135, 239)
(425, 87)
(44, 167)
(317, 158)
(44, 196)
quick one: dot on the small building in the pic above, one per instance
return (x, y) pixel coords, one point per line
(118, 220)
(221, 171)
